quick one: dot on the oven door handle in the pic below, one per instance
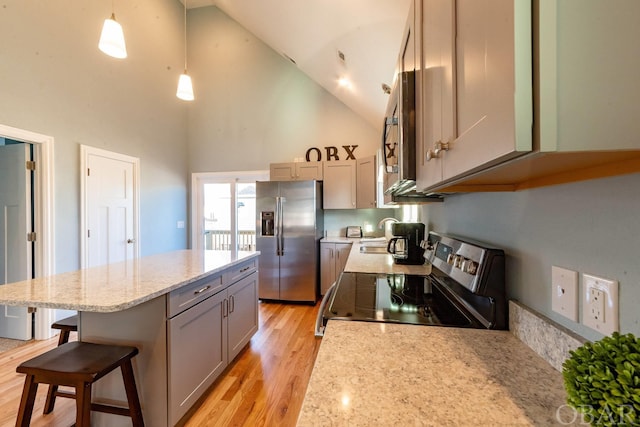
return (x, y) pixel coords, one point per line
(319, 332)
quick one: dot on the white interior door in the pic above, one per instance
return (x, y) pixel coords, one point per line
(15, 223)
(110, 206)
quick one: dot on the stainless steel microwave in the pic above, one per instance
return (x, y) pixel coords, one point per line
(399, 136)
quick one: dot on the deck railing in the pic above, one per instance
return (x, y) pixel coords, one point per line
(220, 240)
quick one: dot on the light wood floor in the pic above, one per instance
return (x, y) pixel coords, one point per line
(264, 387)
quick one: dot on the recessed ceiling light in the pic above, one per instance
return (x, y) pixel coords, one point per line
(344, 82)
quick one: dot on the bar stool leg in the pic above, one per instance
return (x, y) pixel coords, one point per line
(83, 405)
(63, 337)
(50, 402)
(51, 399)
(132, 396)
(27, 401)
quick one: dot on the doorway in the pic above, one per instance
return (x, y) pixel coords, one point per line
(43, 251)
(16, 232)
(223, 207)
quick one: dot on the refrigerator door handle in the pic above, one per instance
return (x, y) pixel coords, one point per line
(281, 225)
(277, 226)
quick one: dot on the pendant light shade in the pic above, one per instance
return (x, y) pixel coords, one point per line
(112, 39)
(185, 88)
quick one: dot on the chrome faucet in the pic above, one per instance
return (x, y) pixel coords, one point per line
(384, 220)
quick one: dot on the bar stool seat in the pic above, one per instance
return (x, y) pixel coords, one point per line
(80, 364)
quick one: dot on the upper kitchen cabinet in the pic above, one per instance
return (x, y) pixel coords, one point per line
(477, 87)
(366, 189)
(295, 171)
(339, 187)
(570, 64)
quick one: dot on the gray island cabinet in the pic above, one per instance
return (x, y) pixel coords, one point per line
(188, 313)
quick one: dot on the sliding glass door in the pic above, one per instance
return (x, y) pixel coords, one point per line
(224, 207)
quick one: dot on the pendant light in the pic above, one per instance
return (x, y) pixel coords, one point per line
(185, 88)
(112, 38)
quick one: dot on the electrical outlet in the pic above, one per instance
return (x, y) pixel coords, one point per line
(564, 292)
(600, 304)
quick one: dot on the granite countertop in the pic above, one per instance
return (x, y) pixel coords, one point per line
(370, 374)
(118, 286)
(359, 262)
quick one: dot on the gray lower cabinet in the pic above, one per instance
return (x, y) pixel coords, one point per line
(197, 354)
(204, 338)
(243, 313)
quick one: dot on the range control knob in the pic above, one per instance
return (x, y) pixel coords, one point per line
(450, 259)
(469, 267)
(458, 261)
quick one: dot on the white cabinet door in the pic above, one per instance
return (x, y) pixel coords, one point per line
(282, 172)
(295, 171)
(243, 313)
(309, 170)
(492, 83)
(339, 191)
(437, 90)
(366, 169)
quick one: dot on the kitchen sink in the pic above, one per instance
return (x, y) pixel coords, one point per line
(370, 249)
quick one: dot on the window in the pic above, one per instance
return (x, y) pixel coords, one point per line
(225, 209)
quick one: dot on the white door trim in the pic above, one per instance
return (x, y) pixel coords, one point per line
(45, 217)
(85, 152)
(197, 196)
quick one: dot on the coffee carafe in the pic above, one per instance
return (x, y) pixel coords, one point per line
(404, 246)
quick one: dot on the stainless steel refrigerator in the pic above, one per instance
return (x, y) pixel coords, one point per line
(289, 226)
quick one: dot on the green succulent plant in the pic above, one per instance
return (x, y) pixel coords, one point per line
(602, 380)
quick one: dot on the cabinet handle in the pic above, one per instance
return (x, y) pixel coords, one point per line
(438, 147)
(242, 270)
(232, 304)
(225, 308)
(199, 291)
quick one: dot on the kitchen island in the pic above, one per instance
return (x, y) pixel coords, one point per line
(189, 313)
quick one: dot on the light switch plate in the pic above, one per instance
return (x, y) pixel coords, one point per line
(564, 292)
(600, 304)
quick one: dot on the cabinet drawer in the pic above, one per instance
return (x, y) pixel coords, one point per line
(239, 271)
(189, 295)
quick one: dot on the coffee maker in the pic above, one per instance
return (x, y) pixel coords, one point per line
(404, 246)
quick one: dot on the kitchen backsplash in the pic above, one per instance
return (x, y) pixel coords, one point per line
(337, 220)
(549, 339)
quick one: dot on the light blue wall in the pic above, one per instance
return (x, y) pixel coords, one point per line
(591, 227)
(254, 107)
(56, 82)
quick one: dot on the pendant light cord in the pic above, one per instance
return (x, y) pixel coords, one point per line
(185, 36)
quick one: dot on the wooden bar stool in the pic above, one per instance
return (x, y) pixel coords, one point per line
(79, 365)
(66, 326)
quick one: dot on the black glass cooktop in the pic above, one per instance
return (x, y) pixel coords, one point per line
(394, 298)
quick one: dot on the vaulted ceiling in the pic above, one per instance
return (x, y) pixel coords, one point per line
(368, 34)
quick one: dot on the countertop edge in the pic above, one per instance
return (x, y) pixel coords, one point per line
(121, 306)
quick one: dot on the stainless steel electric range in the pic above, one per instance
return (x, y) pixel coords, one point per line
(466, 288)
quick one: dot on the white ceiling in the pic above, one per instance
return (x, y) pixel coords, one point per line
(367, 32)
